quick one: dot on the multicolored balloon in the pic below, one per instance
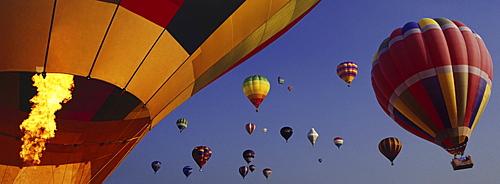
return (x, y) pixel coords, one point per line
(281, 80)
(312, 136)
(250, 127)
(243, 171)
(252, 168)
(286, 132)
(267, 172)
(256, 88)
(390, 148)
(338, 142)
(187, 170)
(248, 155)
(290, 88)
(434, 77)
(347, 71)
(156, 165)
(182, 124)
(201, 154)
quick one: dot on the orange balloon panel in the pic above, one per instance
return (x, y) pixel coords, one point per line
(134, 61)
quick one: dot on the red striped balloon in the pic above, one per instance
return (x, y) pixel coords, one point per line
(433, 77)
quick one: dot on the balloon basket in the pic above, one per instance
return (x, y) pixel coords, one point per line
(462, 163)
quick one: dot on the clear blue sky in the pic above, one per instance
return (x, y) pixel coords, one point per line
(306, 56)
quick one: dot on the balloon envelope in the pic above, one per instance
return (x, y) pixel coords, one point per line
(187, 170)
(256, 88)
(390, 148)
(281, 80)
(286, 133)
(267, 172)
(201, 154)
(252, 168)
(312, 136)
(155, 165)
(320, 160)
(338, 142)
(243, 171)
(264, 130)
(250, 127)
(347, 71)
(182, 124)
(134, 61)
(290, 88)
(248, 155)
(433, 77)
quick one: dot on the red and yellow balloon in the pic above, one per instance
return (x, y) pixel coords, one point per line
(433, 77)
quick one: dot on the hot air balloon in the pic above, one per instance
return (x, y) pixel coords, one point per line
(320, 160)
(248, 155)
(338, 142)
(187, 170)
(201, 154)
(312, 136)
(290, 88)
(433, 77)
(182, 124)
(250, 127)
(264, 130)
(256, 88)
(347, 71)
(252, 168)
(390, 148)
(243, 171)
(286, 132)
(281, 80)
(267, 172)
(156, 165)
(133, 62)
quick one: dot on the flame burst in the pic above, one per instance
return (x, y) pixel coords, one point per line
(40, 126)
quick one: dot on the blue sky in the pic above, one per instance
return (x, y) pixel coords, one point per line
(306, 56)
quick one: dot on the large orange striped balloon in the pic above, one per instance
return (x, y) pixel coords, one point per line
(434, 79)
(133, 62)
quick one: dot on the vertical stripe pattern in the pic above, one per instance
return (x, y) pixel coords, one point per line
(433, 77)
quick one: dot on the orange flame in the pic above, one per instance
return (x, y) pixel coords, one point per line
(40, 126)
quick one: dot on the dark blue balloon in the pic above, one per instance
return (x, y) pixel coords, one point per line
(156, 165)
(187, 170)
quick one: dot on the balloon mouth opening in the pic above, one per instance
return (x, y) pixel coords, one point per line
(458, 149)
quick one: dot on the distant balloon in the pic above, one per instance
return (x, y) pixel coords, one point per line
(187, 171)
(201, 154)
(267, 172)
(338, 142)
(182, 124)
(290, 88)
(347, 71)
(243, 171)
(312, 136)
(252, 168)
(281, 80)
(248, 155)
(256, 88)
(264, 130)
(286, 132)
(320, 160)
(250, 127)
(390, 148)
(156, 165)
